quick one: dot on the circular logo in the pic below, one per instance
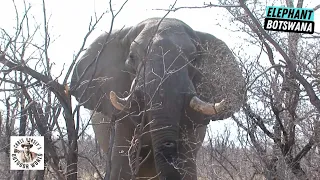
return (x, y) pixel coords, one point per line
(27, 153)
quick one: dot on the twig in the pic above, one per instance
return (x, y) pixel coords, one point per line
(264, 72)
(91, 28)
(197, 7)
(315, 101)
(92, 164)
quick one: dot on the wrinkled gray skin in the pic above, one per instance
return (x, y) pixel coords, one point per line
(176, 57)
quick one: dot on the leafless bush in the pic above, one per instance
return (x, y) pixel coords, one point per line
(34, 97)
(280, 121)
(278, 136)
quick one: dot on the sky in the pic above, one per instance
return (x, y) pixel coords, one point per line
(69, 20)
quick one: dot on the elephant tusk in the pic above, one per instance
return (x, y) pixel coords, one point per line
(207, 108)
(117, 102)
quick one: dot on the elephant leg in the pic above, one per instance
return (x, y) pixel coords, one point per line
(120, 168)
(101, 129)
(148, 172)
(147, 169)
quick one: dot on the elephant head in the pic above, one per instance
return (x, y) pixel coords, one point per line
(171, 69)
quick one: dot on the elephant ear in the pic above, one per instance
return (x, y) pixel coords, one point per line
(219, 76)
(106, 73)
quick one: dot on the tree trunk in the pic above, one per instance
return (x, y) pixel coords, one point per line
(72, 156)
(7, 135)
(22, 128)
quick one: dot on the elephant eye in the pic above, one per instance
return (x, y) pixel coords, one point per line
(131, 56)
(131, 60)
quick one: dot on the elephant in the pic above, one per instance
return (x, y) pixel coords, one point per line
(165, 79)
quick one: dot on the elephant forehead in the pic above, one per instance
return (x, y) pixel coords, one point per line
(169, 33)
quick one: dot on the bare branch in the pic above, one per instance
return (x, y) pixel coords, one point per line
(308, 87)
(199, 7)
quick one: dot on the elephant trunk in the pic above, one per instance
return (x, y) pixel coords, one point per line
(165, 134)
(164, 116)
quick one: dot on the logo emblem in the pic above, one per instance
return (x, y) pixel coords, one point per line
(26, 153)
(298, 20)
